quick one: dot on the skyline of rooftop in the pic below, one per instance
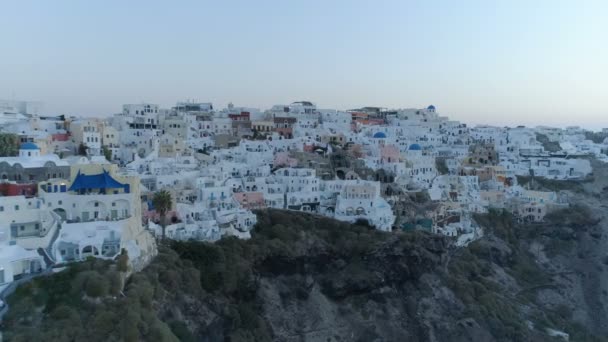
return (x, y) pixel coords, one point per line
(531, 123)
(515, 62)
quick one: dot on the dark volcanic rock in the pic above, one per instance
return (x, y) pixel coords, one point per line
(307, 278)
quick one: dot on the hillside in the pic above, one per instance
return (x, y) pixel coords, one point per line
(307, 278)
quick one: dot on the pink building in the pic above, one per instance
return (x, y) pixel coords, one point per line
(389, 154)
(152, 215)
(60, 137)
(282, 159)
(250, 200)
(309, 148)
(244, 116)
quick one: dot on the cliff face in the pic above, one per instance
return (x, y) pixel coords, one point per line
(307, 278)
(311, 282)
(372, 296)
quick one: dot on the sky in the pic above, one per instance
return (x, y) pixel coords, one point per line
(481, 62)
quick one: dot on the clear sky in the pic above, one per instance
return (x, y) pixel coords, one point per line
(496, 62)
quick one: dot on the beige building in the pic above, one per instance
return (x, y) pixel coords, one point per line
(176, 126)
(87, 132)
(262, 126)
(338, 139)
(170, 146)
(109, 136)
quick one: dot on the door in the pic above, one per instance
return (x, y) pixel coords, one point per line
(35, 266)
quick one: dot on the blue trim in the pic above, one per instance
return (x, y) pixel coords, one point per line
(29, 146)
(100, 181)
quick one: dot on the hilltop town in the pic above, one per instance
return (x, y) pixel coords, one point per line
(73, 187)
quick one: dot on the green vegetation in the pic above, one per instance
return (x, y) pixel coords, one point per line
(228, 264)
(197, 290)
(441, 165)
(545, 184)
(107, 153)
(257, 135)
(82, 149)
(9, 145)
(576, 216)
(560, 231)
(470, 277)
(420, 197)
(162, 204)
(558, 234)
(86, 302)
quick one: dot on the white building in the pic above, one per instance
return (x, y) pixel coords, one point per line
(361, 200)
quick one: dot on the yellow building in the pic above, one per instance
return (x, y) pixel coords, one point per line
(102, 214)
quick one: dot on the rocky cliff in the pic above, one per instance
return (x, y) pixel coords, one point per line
(308, 278)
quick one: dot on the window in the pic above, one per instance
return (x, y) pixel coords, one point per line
(97, 204)
(16, 207)
(60, 202)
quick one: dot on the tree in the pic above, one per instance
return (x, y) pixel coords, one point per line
(82, 149)
(162, 203)
(9, 145)
(107, 153)
(96, 285)
(442, 166)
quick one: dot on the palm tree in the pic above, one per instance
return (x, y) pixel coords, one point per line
(162, 203)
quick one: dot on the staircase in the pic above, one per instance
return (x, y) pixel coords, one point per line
(47, 252)
(45, 255)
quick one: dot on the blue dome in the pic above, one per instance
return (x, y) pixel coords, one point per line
(379, 135)
(431, 107)
(28, 146)
(415, 147)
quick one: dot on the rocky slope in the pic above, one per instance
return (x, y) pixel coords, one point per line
(307, 278)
